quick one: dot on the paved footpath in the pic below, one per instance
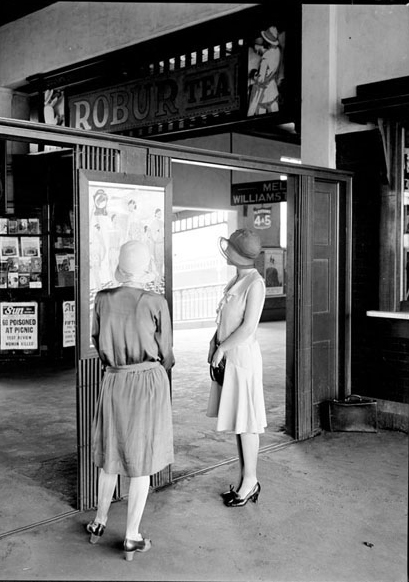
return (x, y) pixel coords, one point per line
(331, 509)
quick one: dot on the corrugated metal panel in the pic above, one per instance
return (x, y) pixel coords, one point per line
(90, 370)
(98, 158)
(160, 166)
(89, 380)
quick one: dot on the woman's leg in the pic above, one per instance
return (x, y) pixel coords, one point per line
(106, 487)
(250, 446)
(138, 493)
(241, 461)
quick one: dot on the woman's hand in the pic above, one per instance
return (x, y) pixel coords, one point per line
(212, 349)
(217, 357)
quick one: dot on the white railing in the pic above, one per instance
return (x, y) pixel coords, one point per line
(197, 303)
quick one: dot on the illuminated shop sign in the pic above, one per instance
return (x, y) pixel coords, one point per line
(206, 89)
(259, 192)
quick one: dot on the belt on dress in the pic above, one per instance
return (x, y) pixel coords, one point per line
(132, 367)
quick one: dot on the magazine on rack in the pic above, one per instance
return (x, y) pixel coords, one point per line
(3, 274)
(12, 280)
(23, 280)
(36, 265)
(9, 246)
(35, 280)
(24, 265)
(12, 226)
(22, 226)
(30, 246)
(34, 226)
(12, 264)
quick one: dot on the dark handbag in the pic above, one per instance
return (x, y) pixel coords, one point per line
(217, 372)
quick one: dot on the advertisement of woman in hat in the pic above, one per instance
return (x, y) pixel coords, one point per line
(264, 93)
(100, 273)
(132, 431)
(239, 403)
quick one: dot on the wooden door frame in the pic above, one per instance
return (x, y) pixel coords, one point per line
(299, 404)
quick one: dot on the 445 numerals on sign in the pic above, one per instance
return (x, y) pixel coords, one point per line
(262, 218)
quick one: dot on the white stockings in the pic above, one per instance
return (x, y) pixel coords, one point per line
(138, 493)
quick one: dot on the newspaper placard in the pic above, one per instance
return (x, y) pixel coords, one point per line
(68, 324)
(19, 326)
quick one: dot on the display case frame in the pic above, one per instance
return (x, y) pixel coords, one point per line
(106, 204)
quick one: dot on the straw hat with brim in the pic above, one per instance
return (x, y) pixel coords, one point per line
(241, 249)
(134, 264)
(271, 35)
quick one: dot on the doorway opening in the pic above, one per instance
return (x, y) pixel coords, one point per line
(200, 274)
(38, 413)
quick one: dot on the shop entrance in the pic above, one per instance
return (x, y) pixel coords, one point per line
(317, 265)
(38, 462)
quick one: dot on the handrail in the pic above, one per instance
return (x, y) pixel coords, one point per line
(196, 302)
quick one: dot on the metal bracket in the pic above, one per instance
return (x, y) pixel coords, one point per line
(385, 131)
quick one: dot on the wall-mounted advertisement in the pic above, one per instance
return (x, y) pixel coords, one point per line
(54, 107)
(266, 72)
(114, 209)
(274, 271)
(68, 324)
(271, 264)
(19, 326)
(168, 97)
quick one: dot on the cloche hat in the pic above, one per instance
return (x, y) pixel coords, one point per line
(242, 248)
(100, 198)
(134, 263)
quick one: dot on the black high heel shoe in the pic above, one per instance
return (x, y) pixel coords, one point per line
(132, 546)
(229, 494)
(232, 492)
(240, 501)
(96, 530)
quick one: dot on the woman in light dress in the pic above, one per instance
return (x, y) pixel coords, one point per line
(239, 403)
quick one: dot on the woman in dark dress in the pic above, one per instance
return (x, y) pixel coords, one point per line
(132, 430)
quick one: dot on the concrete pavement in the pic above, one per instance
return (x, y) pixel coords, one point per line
(331, 509)
(38, 455)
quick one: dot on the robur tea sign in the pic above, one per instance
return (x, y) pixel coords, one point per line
(201, 90)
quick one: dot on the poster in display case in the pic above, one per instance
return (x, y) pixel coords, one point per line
(271, 265)
(114, 209)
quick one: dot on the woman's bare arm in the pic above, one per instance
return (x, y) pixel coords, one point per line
(255, 300)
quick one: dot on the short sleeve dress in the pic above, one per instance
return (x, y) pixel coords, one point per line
(132, 429)
(239, 404)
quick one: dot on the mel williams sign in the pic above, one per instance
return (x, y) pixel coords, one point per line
(259, 192)
(167, 97)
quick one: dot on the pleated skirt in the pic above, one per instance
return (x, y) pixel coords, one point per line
(132, 432)
(239, 405)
